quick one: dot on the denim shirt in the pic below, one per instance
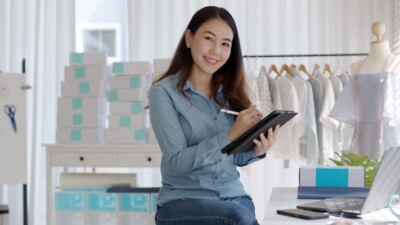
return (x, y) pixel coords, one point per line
(191, 135)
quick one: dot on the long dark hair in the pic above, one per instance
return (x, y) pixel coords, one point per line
(231, 75)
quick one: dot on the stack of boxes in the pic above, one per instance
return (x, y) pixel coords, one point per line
(82, 107)
(127, 96)
(98, 207)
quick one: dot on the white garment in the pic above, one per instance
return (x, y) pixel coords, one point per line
(309, 138)
(329, 125)
(371, 103)
(264, 93)
(284, 148)
(275, 93)
(253, 89)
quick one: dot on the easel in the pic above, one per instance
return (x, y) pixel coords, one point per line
(12, 93)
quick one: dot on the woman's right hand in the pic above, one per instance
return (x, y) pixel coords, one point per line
(246, 119)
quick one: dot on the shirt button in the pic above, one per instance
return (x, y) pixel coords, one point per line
(215, 118)
(215, 177)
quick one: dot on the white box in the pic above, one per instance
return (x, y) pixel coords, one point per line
(4, 211)
(134, 219)
(80, 136)
(91, 105)
(126, 95)
(82, 88)
(85, 72)
(125, 136)
(68, 218)
(74, 180)
(123, 108)
(331, 176)
(131, 68)
(151, 137)
(126, 121)
(128, 81)
(101, 218)
(80, 58)
(83, 119)
(161, 65)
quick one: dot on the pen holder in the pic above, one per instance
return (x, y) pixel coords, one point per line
(394, 205)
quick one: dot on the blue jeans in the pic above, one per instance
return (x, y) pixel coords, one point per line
(236, 211)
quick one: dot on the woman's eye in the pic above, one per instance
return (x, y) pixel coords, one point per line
(226, 45)
(209, 38)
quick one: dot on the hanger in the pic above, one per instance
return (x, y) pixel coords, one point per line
(303, 68)
(286, 68)
(273, 68)
(328, 69)
(316, 67)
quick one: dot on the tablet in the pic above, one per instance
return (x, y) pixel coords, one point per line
(245, 142)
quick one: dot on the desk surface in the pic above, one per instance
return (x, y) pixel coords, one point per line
(285, 198)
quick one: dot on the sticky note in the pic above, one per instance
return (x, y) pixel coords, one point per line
(76, 135)
(84, 88)
(80, 73)
(118, 67)
(113, 95)
(77, 103)
(140, 134)
(125, 121)
(77, 58)
(77, 119)
(136, 107)
(134, 82)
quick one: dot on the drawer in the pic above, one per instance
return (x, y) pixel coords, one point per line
(139, 159)
(83, 159)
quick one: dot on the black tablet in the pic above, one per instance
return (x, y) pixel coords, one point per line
(245, 142)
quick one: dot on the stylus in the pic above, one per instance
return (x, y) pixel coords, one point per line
(229, 111)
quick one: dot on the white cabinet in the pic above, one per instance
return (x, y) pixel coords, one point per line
(124, 156)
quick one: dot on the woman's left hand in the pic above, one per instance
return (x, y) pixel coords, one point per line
(264, 143)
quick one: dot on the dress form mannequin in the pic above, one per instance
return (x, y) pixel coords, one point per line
(380, 58)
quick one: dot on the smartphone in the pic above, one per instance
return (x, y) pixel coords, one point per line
(303, 214)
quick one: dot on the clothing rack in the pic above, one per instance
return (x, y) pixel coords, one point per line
(306, 55)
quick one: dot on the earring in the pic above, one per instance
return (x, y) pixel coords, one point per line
(187, 46)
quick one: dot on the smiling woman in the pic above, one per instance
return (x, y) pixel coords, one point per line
(200, 184)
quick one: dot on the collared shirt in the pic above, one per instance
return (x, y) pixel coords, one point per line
(191, 135)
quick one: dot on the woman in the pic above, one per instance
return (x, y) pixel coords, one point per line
(200, 185)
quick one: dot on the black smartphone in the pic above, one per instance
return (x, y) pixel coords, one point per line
(303, 214)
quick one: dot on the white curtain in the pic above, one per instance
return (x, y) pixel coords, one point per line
(42, 32)
(265, 27)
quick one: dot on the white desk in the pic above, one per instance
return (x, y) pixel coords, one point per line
(124, 156)
(285, 198)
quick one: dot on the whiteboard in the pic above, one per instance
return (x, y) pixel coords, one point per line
(13, 145)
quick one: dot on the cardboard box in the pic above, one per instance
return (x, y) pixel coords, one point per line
(131, 68)
(151, 137)
(125, 136)
(92, 105)
(82, 88)
(126, 121)
(84, 119)
(80, 136)
(161, 65)
(86, 58)
(123, 108)
(331, 176)
(85, 72)
(128, 81)
(126, 95)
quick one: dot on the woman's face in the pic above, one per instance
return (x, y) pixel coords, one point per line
(210, 46)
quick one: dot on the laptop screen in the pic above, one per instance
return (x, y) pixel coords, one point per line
(386, 182)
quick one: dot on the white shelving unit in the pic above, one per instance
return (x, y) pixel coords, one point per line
(95, 156)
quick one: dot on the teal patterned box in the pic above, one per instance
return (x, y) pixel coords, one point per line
(69, 201)
(102, 202)
(136, 202)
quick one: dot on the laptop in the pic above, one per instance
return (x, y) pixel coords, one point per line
(385, 184)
